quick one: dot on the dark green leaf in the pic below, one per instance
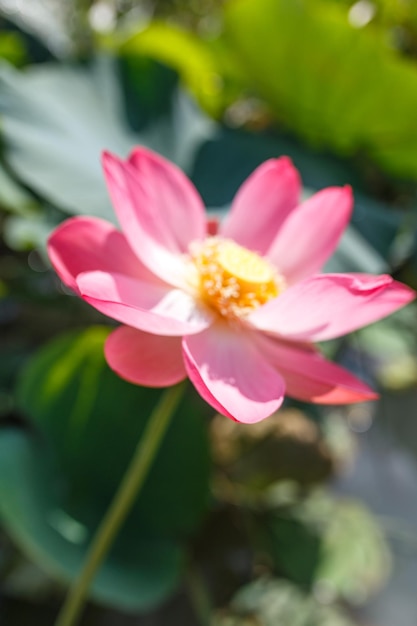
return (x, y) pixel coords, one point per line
(140, 571)
(92, 420)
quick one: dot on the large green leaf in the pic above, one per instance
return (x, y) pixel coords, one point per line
(141, 569)
(328, 81)
(55, 487)
(92, 420)
(57, 119)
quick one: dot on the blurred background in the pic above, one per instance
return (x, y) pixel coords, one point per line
(308, 518)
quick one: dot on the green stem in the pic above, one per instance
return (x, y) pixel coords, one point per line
(125, 497)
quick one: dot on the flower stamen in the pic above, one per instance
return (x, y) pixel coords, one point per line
(231, 279)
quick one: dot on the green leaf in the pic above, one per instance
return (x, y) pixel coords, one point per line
(392, 345)
(92, 421)
(167, 119)
(55, 488)
(326, 80)
(141, 570)
(29, 231)
(323, 543)
(12, 48)
(46, 31)
(13, 197)
(184, 52)
(355, 559)
(56, 120)
(230, 156)
(379, 223)
(355, 254)
(272, 602)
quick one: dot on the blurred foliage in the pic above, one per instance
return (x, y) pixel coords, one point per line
(324, 544)
(330, 94)
(184, 52)
(141, 571)
(393, 345)
(268, 602)
(206, 65)
(70, 378)
(84, 413)
(12, 48)
(55, 127)
(287, 446)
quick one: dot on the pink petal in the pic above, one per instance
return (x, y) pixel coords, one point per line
(83, 244)
(262, 203)
(158, 208)
(309, 377)
(231, 374)
(153, 308)
(330, 305)
(311, 233)
(145, 359)
(195, 377)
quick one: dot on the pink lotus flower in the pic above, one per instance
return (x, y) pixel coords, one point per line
(235, 310)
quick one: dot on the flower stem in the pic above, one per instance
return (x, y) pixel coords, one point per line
(125, 497)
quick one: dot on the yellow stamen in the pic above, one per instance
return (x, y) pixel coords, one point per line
(231, 279)
(244, 265)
